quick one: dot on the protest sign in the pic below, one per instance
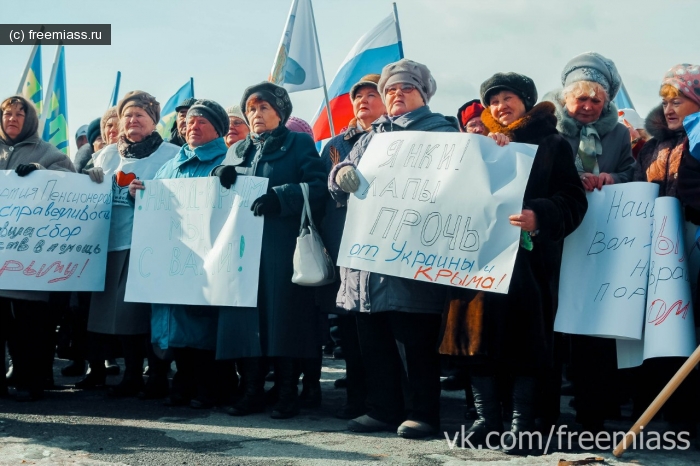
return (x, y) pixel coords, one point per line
(434, 207)
(54, 228)
(669, 326)
(196, 242)
(605, 264)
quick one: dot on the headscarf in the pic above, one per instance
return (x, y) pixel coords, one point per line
(686, 78)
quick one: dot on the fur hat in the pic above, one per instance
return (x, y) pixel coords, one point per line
(93, 131)
(144, 101)
(408, 72)
(366, 80)
(186, 104)
(592, 66)
(686, 78)
(520, 84)
(213, 112)
(470, 110)
(299, 126)
(273, 94)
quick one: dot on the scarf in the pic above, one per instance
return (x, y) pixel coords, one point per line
(589, 148)
(141, 149)
(259, 139)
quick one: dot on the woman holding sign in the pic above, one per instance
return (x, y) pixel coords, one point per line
(285, 326)
(398, 319)
(138, 155)
(25, 315)
(512, 334)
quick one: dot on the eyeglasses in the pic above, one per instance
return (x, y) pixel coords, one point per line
(405, 89)
(237, 123)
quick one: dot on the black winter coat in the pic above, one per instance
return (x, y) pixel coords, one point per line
(515, 331)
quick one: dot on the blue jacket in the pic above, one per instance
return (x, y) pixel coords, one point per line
(175, 325)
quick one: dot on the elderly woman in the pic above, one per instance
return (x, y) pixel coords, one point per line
(399, 335)
(666, 160)
(26, 317)
(237, 126)
(285, 324)
(513, 333)
(588, 120)
(109, 133)
(138, 154)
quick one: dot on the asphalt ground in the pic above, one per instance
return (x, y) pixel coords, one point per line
(73, 427)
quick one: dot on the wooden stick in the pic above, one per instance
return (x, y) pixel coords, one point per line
(658, 402)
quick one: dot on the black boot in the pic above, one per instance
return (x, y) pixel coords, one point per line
(523, 416)
(134, 350)
(310, 396)
(488, 408)
(287, 377)
(95, 378)
(253, 381)
(157, 386)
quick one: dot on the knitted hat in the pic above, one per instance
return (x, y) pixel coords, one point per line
(366, 80)
(299, 126)
(187, 103)
(93, 131)
(408, 72)
(591, 66)
(273, 94)
(520, 84)
(110, 113)
(466, 112)
(144, 101)
(686, 78)
(213, 112)
(235, 111)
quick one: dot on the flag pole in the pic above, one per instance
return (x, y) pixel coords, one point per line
(323, 74)
(398, 30)
(115, 92)
(49, 91)
(192, 85)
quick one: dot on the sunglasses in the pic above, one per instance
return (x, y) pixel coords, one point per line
(405, 89)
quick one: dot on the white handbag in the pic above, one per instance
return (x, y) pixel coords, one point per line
(313, 265)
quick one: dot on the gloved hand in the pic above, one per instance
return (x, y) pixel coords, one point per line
(227, 175)
(267, 204)
(347, 179)
(24, 170)
(97, 175)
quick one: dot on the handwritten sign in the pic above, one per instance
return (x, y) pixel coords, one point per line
(605, 265)
(669, 327)
(195, 242)
(434, 207)
(54, 228)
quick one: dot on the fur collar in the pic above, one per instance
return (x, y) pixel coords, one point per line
(538, 123)
(570, 127)
(657, 127)
(271, 144)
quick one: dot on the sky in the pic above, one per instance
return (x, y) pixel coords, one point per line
(228, 45)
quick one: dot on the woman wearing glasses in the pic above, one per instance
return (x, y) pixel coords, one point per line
(400, 320)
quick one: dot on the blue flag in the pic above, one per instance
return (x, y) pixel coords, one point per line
(56, 106)
(622, 99)
(115, 92)
(30, 87)
(168, 113)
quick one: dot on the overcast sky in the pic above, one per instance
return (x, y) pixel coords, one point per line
(229, 45)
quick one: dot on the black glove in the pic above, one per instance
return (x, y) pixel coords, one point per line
(24, 170)
(267, 204)
(227, 175)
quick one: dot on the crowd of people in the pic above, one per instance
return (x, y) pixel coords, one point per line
(398, 336)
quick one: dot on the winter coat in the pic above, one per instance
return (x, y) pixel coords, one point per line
(285, 321)
(31, 150)
(374, 292)
(82, 157)
(660, 158)
(616, 158)
(515, 330)
(174, 325)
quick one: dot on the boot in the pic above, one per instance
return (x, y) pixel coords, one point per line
(253, 381)
(287, 376)
(95, 378)
(157, 386)
(523, 416)
(134, 352)
(75, 369)
(488, 410)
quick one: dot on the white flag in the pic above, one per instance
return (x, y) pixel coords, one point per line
(297, 66)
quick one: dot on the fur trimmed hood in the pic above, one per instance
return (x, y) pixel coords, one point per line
(538, 123)
(570, 127)
(656, 125)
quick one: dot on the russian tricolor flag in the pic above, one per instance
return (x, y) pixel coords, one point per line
(374, 50)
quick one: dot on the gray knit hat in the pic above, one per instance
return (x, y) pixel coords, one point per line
(592, 66)
(409, 72)
(213, 112)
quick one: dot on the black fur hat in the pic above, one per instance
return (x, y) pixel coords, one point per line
(520, 84)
